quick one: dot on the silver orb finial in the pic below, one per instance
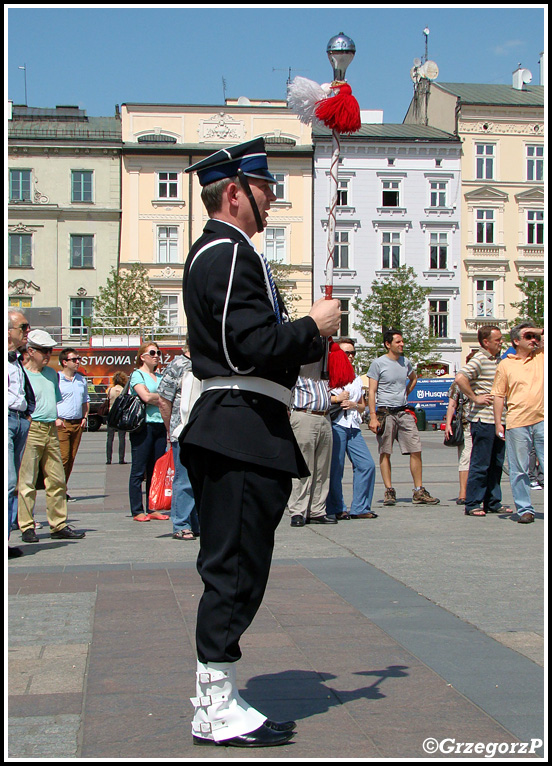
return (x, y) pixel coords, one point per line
(341, 50)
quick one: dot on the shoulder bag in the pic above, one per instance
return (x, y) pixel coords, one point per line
(128, 412)
(457, 437)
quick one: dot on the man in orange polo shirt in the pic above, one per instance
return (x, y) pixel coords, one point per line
(520, 380)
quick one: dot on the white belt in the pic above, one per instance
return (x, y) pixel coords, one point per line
(248, 383)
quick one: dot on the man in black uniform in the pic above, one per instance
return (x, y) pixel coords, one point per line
(238, 445)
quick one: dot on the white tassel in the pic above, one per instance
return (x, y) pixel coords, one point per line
(303, 96)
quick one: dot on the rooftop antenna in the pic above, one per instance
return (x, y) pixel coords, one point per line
(224, 90)
(426, 35)
(24, 68)
(289, 70)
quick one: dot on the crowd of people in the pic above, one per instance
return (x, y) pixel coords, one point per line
(245, 451)
(48, 411)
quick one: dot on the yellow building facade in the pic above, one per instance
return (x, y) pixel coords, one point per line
(502, 223)
(162, 210)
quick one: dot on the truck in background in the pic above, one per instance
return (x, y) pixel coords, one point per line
(100, 364)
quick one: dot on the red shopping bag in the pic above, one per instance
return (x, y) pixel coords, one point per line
(160, 495)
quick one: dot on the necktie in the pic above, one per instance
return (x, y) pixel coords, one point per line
(272, 289)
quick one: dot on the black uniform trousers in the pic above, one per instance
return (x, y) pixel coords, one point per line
(240, 506)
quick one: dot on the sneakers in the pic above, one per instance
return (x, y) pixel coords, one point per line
(536, 485)
(29, 536)
(67, 533)
(422, 497)
(390, 497)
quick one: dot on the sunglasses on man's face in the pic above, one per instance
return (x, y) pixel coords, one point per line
(531, 336)
(23, 327)
(42, 350)
(74, 359)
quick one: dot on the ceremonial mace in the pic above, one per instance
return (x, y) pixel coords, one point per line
(339, 111)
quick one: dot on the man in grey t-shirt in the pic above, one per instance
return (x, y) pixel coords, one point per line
(392, 378)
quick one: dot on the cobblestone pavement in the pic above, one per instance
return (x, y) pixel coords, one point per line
(420, 626)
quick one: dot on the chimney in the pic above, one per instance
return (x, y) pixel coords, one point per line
(520, 77)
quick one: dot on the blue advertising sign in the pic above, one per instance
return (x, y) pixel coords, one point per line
(431, 394)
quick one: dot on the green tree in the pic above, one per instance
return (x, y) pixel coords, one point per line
(280, 273)
(532, 304)
(396, 302)
(127, 301)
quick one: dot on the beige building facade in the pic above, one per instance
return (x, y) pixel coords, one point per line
(162, 210)
(502, 194)
(64, 210)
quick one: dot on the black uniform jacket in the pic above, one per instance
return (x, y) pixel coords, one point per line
(247, 426)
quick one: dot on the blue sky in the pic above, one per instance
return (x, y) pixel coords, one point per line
(96, 57)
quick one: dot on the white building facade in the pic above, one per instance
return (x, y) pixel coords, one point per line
(398, 204)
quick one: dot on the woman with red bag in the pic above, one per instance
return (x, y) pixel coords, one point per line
(149, 443)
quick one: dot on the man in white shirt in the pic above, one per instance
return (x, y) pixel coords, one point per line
(20, 405)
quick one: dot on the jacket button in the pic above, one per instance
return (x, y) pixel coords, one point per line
(254, 401)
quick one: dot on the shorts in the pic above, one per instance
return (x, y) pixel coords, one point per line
(402, 427)
(464, 450)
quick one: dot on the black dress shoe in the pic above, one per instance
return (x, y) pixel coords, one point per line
(261, 737)
(322, 520)
(297, 521)
(29, 536)
(67, 534)
(14, 553)
(281, 725)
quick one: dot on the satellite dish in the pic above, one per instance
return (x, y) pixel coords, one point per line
(526, 76)
(417, 62)
(430, 70)
(244, 101)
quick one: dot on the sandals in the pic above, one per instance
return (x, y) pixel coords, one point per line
(141, 517)
(184, 534)
(343, 516)
(158, 516)
(476, 512)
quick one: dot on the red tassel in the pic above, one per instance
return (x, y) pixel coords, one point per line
(340, 112)
(340, 369)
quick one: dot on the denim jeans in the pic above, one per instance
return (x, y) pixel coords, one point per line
(350, 442)
(147, 445)
(487, 458)
(183, 510)
(520, 442)
(18, 428)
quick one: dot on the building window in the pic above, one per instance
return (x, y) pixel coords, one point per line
(169, 311)
(438, 194)
(279, 188)
(82, 251)
(167, 244)
(20, 185)
(390, 195)
(81, 314)
(438, 318)
(341, 252)
(535, 163)
(21, 251)
(275, 245)
(485, 227)
(20, 302)
(391, 250)
(485, 298)
(345, 317)
(342, 192)
(81, 185)
(484, 161)
(535, 227)
(167, 185)
(438, 251)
